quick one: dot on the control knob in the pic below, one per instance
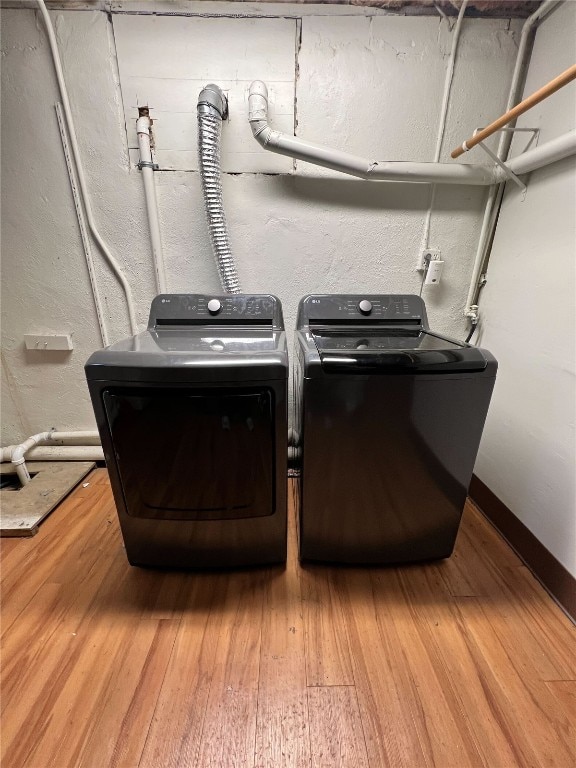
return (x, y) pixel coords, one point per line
(365, 306)
(214, 306)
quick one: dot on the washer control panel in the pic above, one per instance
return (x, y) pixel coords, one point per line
(181, 309)
(351, 308)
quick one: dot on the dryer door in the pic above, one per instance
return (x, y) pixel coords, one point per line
(186, 454)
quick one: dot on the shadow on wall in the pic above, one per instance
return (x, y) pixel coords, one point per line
(377, 196)
(40, 357)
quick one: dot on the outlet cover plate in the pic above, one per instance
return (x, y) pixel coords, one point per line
(48, 342)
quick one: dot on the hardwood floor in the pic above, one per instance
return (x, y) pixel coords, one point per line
(466, 662)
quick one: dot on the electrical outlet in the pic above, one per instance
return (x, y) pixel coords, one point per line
(48, 342)
(428, 254)
(434, 272)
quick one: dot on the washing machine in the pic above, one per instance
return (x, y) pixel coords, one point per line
(388, 421)
(192, 414)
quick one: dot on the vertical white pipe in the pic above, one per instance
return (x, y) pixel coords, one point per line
(443, 118)
(143, 125)
(503, 148)
(115, 267)
(82, 225)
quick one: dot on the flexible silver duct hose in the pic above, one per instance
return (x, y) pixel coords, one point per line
(212, 107)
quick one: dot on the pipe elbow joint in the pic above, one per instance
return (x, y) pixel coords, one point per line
(212, 97)
(17, 456)
(261, 132)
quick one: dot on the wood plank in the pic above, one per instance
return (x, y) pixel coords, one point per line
(564, 691)
(282, 737)
(328, 659)
(336, 732)
(229, 731)
(127, 705)
(525, 704)
(418, 671)
(485, 571)
(559, 582)
(175, 731)
(484, 714)
(386, 704)
(105, 664)
(22, 511)
(57, 559)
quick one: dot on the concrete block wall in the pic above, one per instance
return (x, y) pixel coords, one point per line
(362, 80)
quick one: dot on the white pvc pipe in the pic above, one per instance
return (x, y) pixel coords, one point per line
(520, 68)
(143, 125)
(115, 267)
(503, 148)
(435, 173)
(89, 437)
(98, 304)
(57, 451)
(371, 170)
(443, 117)
(65, 453)
(554, 150)
(470, 310)
(18, 461)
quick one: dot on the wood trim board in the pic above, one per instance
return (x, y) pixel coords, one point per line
(548, 570)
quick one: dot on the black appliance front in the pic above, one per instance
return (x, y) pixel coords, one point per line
(389, 417)
(192, 416)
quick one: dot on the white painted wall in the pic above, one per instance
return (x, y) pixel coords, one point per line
(367, 82)
(527, 457)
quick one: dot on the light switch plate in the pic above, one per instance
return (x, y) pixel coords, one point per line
(51, 342)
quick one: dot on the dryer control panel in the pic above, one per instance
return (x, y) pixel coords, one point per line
(346, 309)
(185, 309)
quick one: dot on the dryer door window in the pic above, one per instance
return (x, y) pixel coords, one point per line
(189, 455)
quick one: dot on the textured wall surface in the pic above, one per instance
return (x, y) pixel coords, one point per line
(528, 456)
(368, 84)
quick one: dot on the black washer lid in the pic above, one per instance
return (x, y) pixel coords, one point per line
(394, 350)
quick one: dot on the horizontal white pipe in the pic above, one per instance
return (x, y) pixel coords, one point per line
(143, 125)
(57, 451)
(434, 173)
(88, 437)
(545, 154)
(65, 453)
(371, 170)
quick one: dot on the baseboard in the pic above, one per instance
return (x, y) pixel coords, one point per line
(549, 571)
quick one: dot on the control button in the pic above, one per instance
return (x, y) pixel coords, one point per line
(217, 345)
(214, 306)
(363, 344)
(365, 306)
